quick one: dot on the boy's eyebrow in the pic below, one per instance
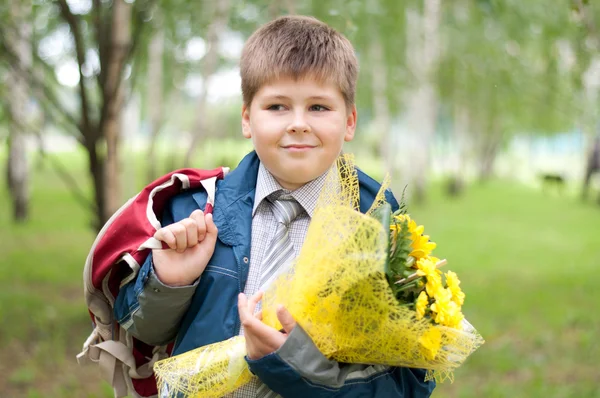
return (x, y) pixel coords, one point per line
(320, 97)
(284, 97)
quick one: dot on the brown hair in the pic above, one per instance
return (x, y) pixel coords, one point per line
(298, 46)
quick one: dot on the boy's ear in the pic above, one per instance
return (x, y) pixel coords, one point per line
(351, 124)
(246, 131)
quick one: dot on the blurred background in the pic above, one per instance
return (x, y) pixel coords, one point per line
(487, 110)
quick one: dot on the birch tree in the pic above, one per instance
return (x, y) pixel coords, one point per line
(18, 85)
(220, 13)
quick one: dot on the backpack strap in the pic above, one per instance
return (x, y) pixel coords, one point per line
(117, 362)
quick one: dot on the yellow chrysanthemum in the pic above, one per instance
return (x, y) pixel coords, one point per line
(421, 305)
(420, 244)
(445, 311)
(434, 282)
(427, 268)
(430, 342)
(453, 284)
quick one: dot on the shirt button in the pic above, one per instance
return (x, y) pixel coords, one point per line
(156, 290)
(246, 260)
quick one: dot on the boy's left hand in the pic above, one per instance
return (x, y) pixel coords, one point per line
(261, 339)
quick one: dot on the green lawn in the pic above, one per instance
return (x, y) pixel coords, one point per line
(527, 262)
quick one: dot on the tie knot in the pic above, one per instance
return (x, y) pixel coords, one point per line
(286, 209)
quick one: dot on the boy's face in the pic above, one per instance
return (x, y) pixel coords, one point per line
(298, 128)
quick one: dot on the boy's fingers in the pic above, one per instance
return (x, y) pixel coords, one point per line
(242, 304)
(246, 309)
(211, 228)
(180, 236)
(253, 302)
(198, 216)
(245, 315)
(165, 235)
(191, 230)
(286, 319)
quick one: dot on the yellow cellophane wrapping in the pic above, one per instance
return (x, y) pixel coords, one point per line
(338, 293)
(210, 371)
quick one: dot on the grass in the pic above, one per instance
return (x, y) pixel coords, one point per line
(528, 263)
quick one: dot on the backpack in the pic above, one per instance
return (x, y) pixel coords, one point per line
(113, 261)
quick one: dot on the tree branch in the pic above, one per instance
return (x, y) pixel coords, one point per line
(136, 38)
(80, 53)
(63, 173)
(100, 39)
(48, 95)
(130, 51)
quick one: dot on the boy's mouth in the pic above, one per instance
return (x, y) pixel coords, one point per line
(298, 148)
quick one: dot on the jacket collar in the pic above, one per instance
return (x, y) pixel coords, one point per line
(234, 199)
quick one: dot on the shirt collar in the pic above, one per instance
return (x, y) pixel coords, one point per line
(307, 195)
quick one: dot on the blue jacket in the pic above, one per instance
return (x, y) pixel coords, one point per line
(207, 312)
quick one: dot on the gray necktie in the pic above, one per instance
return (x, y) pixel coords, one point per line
(280, 250)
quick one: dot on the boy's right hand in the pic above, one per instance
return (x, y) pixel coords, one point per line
(191, 244)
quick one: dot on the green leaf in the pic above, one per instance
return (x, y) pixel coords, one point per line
(383, 214)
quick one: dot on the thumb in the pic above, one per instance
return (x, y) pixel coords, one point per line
(211, 228)
(286, 319)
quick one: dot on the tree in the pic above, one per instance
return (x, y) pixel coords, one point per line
(17, 168)
(220, 17)
(422, 58)
(155, 91)
(110, 32)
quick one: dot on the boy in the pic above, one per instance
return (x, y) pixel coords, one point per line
(298, 84)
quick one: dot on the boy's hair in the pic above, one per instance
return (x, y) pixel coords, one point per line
(298, 47)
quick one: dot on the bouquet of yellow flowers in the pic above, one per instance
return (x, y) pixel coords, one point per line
(365, 288)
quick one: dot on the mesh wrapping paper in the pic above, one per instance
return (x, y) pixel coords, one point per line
(338, 293)
(210, 371)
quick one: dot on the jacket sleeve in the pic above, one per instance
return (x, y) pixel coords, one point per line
(150, 310)
(298, 369)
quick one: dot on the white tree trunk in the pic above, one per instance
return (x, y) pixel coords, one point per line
(591, 86)
(381, 106)
(591, 118)
(119, 47)
(215, 29)
(17, 165)
(461, 141)
(423, 53)
(155, 94)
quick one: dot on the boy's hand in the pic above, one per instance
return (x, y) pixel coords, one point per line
(261, 339)
(191, 244)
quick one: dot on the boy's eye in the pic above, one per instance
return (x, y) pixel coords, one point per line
(276, 107)
(318, 108)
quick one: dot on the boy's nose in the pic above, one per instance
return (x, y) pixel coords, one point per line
(298, 125)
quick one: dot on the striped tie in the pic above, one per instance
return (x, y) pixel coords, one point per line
(280, 250)
(285, 209)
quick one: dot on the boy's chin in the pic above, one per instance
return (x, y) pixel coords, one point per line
(295, 180)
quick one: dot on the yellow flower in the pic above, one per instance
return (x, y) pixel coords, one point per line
(430, 342)
(454, 321)
(445, 311)
(427, 268)
(457, 294)
(421, 305)
(434, 282)
(420, 244)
